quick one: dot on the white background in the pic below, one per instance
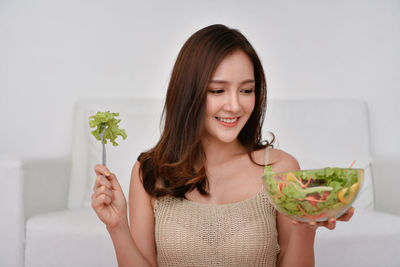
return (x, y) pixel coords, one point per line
(53, 53)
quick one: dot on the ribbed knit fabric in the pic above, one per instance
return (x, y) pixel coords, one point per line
(188, 233)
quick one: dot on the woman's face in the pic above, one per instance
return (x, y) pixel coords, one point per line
(230, 98)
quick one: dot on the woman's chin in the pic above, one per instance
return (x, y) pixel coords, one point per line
(226, 139)
(222, 137)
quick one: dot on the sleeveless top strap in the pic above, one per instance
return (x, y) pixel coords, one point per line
(266, 158)
(268, 169)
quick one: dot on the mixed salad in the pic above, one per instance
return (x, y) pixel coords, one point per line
(313, 195)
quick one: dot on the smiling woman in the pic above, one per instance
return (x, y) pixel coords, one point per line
(197, 198)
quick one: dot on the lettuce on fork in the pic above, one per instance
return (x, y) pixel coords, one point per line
(106, 120)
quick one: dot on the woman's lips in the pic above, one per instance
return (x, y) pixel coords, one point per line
(228, 121)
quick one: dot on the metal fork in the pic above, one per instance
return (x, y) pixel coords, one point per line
(104, 146)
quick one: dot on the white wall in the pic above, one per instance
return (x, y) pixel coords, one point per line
(53, 53)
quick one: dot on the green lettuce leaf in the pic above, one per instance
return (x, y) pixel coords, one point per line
(108, 121)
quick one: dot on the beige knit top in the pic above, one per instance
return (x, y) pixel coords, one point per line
(188, 233)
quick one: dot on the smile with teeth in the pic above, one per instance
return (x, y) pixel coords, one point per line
(228, 120)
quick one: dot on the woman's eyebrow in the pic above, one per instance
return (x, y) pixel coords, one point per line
(226, 82)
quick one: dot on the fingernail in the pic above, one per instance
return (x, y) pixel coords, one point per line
(108, 173)
(294, 222)
(333, 220)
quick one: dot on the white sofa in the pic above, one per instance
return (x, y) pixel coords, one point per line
(46, 202)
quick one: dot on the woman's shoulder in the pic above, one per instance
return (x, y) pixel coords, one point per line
(137, 181)
(278, 159)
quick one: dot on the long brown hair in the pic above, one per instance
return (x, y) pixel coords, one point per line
(176, 164)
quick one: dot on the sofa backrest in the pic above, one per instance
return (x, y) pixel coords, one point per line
(317, 132)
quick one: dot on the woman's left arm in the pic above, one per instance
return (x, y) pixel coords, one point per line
(296, 239)
(296, 242)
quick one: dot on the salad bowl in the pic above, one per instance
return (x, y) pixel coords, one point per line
(313, 195)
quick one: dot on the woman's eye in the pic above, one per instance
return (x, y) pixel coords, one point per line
(216, 91)
(248, 91)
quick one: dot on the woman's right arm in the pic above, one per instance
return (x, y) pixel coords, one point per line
(141, 217)
(108, 201)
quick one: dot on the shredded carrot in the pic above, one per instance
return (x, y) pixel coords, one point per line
(280, 187)
(309, 180)
(298, 180)
(314, 203)
(314, 199)
(351, 166)
(311, 217)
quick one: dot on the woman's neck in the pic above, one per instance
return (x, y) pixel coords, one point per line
(219, 152)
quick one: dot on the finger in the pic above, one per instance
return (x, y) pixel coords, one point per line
(104, 181)
(97, 203)
(103, 190)
(114, 182)
(97, 182)
(312, 225)
(101, 170)
(330, 224)
(101, 180)
(100, 201)
(347, 216)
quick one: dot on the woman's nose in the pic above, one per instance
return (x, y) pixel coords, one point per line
(232, 103)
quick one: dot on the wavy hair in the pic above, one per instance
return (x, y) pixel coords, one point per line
(176, 164)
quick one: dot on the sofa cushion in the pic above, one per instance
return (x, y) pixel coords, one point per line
(68, 238)
(370, 239)
(78, 238)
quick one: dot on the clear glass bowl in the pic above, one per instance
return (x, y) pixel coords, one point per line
(315, 194)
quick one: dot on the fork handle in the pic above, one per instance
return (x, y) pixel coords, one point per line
(104, 146)
(104, 154)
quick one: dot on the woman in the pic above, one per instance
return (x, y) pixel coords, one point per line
(197, 197)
